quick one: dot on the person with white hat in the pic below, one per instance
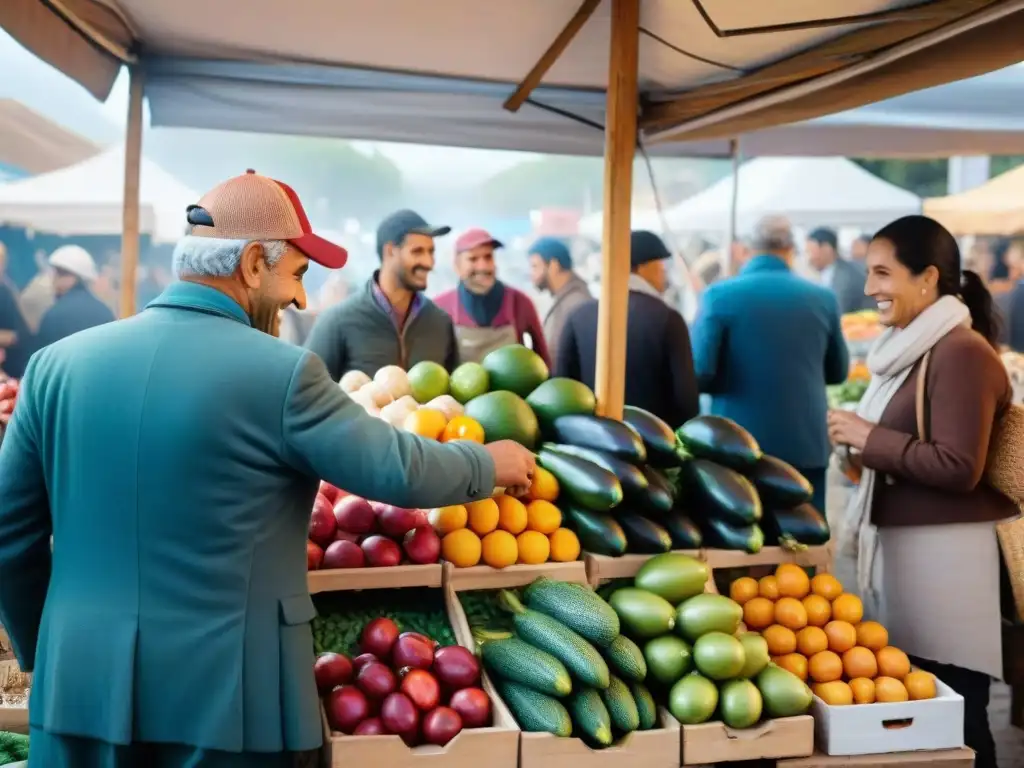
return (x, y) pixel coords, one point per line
(76, 307)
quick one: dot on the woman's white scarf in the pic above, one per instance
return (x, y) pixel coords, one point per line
(890, 361)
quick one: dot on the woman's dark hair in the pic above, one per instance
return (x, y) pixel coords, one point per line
(921, 242)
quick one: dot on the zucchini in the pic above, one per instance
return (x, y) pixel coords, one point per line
(779, 485)
(645, 706)
(576, 606)
(659, 497)
(802, 525)
(515, 660)
(719, 534)
(658, 437)
(724, 493)
(579, 657)
(582, 482)
(643, 536)
(601, 434)
(631, 478)
(721, 440)
(599, 533)
(535, 712)
(591, 715)
(625, 657)
(683, 531)
(621, 706)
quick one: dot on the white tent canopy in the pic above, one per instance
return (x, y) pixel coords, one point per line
(86, 199)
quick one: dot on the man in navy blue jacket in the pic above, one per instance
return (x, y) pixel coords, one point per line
(765, 345)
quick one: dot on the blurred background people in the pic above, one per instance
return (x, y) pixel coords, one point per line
(551, 270)
(75, 307)
(844, 278)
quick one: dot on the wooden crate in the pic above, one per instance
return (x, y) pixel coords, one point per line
(942, 758)
(816, 557)
(601, 568)
(486, 577)
(772, 739)
(346, 579)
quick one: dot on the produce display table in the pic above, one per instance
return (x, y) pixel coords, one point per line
(942, 758)
(339, 579)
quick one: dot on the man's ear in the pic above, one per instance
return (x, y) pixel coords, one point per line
(252, 264)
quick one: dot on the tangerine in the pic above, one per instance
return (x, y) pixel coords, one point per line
(758, 612)
(781, 640)
(461, 548)
(768, 587)
(795, 663)
(793, 581)
(920, 685)
(841, 636)
(872, 635)
(826, 585)
(544, 486)
(426, 422)
(848, 608)
(892, 662)
(565, 547)
(860, 662)
(819, 610)
(863, 690)
(463, 428)
(811, 640)
(743, 590)
(789, 612)
(835, 693)
(825, 666)
(543, 517)
(499, 549)
(448, 519)
(888, 689)
(511, 514)
(483, 516)
(534, 547)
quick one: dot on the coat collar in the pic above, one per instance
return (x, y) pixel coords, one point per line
(638, 284)
(765, 262)
(196, 297)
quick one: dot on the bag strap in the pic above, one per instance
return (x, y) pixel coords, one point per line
(921, 398)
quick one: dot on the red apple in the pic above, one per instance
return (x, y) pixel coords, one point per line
(314, 555)
(378, 638)
(331, 670)
(333, 493)
(346, 708)
(473, 706)
(381, 552)
(322, 524)
(422, 545)
(354, 515)
(371, 726)
(422, 687)
(344, 554)
(441, 725)
(346, 536)
(398, 521)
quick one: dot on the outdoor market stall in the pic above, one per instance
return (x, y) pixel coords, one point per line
(994, 208)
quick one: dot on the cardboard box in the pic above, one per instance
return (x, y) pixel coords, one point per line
(717, 743)
(13, 702)
(946, 758)
(601, 568)
(345, 579)
(870, 729)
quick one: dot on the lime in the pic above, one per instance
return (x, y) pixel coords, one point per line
(469, 380)
(428, 380)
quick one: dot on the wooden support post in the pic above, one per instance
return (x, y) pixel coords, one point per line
(131, 202)
(619, 150)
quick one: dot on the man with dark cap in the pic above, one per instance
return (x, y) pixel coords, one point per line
(844, 278)
(389, 321)
(659, 361)
(551, 270)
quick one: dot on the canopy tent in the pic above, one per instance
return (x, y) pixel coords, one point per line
(994, 208)
(86, 199)
(32, 144)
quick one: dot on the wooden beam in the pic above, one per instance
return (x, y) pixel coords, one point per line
(619, 150)
(131, 202)
(551, 55)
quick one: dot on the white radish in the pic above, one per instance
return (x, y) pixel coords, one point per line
(395, 380)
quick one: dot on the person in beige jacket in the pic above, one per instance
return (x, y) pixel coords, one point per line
(551, 270)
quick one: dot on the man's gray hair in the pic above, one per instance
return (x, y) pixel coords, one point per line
(773, 234)
(218, 257)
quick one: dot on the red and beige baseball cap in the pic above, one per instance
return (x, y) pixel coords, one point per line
(254, 207)
(474, 238)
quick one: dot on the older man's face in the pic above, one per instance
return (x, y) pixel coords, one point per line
(476, 268)
(276, 288)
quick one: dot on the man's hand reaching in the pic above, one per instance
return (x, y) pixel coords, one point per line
(513, 466)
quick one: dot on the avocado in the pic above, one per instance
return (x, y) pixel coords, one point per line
(643, 614)
(515, 368)
(504, 416)
(673, 576)
(740, 703)
(693, 700)
(668, 659)
(718, 656)
(560, 397)
(707, 613)
(755, 650)
(784, 694)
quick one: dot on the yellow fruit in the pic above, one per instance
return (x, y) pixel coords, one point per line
(534, 547)
(500, 549)
(890, 689)
(743, 590)
(463, 428)
(892, 662)
(790, 613)
(863, 690)
(811, 640)
(848, 608)
(835, 693)
(461, 548)
(795, 663)
(511, 514)
(543, 517)
(841, 636)
(872, 635)
(448, 519)
(768, 587)
(758, 612)
(824, 667)
(426, 422)
(859, 662)
(780, 640)
(920, 685)
(819, 610)
(826, 585)
(565, 547)
(483, 516)
(544, 486)
(792, 581)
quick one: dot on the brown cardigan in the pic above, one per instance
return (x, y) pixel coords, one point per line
(940, 481)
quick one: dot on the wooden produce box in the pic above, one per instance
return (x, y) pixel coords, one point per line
(944, 758)
(817, 557)
(343, 579)
(601, 568)
(715, 742)
(657, 748)
(486, 577)
(497, 745)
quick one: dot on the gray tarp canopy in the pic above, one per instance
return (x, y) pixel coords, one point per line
(31, 143)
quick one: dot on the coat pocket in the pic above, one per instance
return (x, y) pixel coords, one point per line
(300, 704)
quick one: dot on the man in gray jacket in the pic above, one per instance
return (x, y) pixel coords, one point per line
(551, 270)
(844, 278)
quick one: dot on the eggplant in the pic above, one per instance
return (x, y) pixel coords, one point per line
(658, 437)
(684, 532)
(582, 482)
(779, 485)
(599, 533)
(803, 524)
(719, 534)
(659, 496)
(601, 434)
(643, 536)
(721, 440)
(631, 478)
(723, 493)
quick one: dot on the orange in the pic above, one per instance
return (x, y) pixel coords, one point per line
(920, 685)
(793, 581)
(461, 548)
(789, 612)
(543, 516)
(483, 516)
(811, 640)
(890, 689)
(426, 422)
(848, 608)
(824, 667)
(892, 662)
(781, 640)
(819, 610)
(795, 663)
(863, 690)
(768, 587)
(841, 636)
(544, 486)
(743, 590)
(448, 519)
(859, 662)
(826, 585)
(500, 549)
(511, 514)
(463, 428)
(565, 547)
(534, 547)
(835, 694)
(758, 612)
(872, 635)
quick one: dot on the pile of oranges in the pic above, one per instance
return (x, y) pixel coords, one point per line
(817, 632)
(433, 424)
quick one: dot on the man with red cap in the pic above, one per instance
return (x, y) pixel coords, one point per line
(487, 313)
(174, 458)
